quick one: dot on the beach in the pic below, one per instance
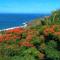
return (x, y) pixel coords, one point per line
(23, 26)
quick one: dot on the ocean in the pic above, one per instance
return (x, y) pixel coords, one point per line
(14, 20)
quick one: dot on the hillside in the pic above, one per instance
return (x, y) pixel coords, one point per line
(40, 40)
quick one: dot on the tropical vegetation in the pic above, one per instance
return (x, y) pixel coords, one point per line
(40, 40)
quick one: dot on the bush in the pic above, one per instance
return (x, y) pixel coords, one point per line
(52, 53)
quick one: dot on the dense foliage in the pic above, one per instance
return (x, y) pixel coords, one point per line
(40, 40)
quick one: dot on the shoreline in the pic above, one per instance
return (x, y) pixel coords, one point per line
(23, 26)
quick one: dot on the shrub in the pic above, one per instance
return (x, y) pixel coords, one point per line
(52, 53)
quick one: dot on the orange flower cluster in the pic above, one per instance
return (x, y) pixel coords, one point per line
(10, 36)
(48, 30)
(29, 37)
(15, 34)
(16, 30)
(57, 33)
(1, 39)
(51, 30)
(30, 34)
(27, 44)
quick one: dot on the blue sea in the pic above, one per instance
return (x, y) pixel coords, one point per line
(13, 20)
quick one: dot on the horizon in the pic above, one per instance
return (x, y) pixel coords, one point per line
(29, 6)
(27, 13)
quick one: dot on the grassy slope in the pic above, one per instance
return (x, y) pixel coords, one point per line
(40, 40)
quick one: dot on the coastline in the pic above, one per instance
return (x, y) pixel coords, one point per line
(23, 26)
